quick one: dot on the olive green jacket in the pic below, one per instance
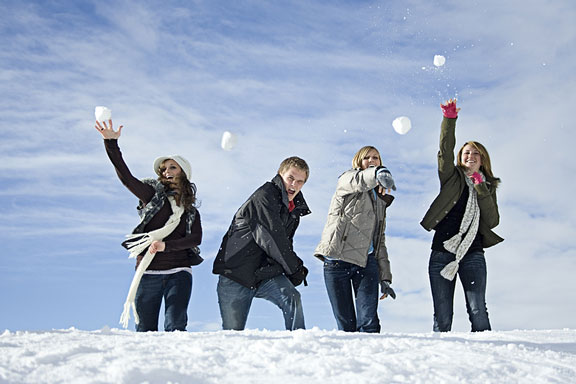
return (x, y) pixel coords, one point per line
(452, 184)
(356, 220)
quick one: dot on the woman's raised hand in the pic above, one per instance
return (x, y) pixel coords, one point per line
(449, 109)
(107, 130)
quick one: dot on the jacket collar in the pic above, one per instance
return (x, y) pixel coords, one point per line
(301, 207)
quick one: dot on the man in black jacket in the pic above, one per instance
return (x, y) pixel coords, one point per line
(256, 258)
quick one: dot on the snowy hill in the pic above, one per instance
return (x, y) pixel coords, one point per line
(311, 356)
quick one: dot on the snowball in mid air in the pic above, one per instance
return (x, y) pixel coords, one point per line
(439, 60)
(102, 114)
(229, 141)
(402, 125)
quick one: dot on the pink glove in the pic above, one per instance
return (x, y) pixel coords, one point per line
(449, 110)
(476, 178)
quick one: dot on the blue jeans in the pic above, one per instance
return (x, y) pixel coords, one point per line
(235, 300)
(176, 289)
(472, 273)
(344, 282)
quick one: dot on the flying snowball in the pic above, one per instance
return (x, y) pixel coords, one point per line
(439, 60)
(402, 125)
(102, 114)
(229, 141)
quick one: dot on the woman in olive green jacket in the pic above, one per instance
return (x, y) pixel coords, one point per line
(462, 216)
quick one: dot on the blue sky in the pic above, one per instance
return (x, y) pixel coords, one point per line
(311, 78)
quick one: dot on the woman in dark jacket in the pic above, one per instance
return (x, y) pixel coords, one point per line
(170, 229)
(462, 216)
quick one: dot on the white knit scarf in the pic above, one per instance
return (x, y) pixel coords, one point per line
(141, 242)
(468, 229)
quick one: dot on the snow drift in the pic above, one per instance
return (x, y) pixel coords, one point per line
(304, 356)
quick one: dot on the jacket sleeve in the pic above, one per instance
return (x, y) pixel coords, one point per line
(194, 239)
(446, 166)
(488, 204)
(269, 231)
(385, 271)
(356, 180)
(141, 190)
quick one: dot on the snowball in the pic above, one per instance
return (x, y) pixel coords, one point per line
(402, 125)
(102, 114)
(229, 141)
(439, 60)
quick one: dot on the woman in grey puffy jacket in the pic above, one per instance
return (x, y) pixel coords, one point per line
(353, 244)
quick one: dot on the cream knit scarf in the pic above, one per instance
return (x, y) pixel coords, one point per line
(140, 243)
(468, 229)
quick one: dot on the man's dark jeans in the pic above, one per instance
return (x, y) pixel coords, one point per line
(235, 300)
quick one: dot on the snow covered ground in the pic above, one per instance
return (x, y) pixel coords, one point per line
(311, 356)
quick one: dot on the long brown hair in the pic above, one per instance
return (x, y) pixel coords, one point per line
(186, 195)
(486, 166)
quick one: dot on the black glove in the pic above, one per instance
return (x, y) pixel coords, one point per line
(299, 276)
(387, 289)
(268, 272)
(384, 178)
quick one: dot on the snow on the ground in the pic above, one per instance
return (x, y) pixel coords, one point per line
(310, 356)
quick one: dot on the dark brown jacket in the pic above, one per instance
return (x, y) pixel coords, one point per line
(178, 242)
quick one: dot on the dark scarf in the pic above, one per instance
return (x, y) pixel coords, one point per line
(147, 212)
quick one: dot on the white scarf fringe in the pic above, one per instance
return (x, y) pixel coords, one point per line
(136, 247)
(469, 227)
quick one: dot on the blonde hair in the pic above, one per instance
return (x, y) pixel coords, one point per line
(295, 162)
(486, 166)
(362, 152)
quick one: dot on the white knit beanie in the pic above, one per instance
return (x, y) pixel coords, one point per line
(182, 162)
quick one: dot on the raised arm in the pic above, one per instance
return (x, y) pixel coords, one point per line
(143, 191)
(447, 139)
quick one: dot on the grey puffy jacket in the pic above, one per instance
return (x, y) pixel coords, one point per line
(356, 218)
